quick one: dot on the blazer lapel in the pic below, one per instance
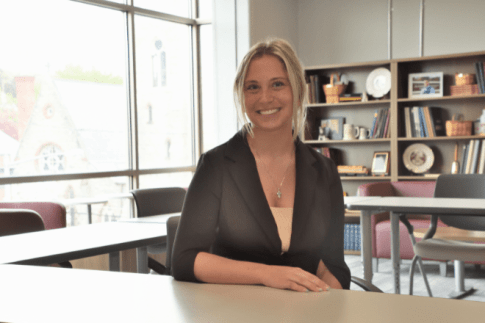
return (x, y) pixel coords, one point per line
(242, 168)
(306, 179)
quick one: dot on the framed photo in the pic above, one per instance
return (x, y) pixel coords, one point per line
(425, 85)
(334, 127)
(380, 163)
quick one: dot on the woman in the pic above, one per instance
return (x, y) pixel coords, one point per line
(264, 208)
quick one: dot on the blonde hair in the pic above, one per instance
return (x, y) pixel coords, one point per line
(282, 50)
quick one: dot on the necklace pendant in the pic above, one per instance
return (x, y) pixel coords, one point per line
(279, 193)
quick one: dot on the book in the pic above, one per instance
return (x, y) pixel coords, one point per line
(469, 156)
(477, 74)
(379, 124)
(463, 159)
(424, 129)
(407, 123)
(346, 236)
(310, 93)
(476, 149)
(343, 99)
(386, 133)
(481, 165)
(351, 237)
(351, 95)
(411, 123)
(436, 114)
(417, 123)
(315, 89)
(480, 76)
(374, 120)
(429, 126)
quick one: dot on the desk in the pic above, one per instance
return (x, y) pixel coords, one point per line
(94, 200)
(57, 245)
(129, 297)
(161, 219)
(406, 205)
(85, 200)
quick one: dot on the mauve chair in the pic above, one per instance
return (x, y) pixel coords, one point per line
(52, 214)
(381, 224)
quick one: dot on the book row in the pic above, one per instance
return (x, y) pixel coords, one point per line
(422, 122)
(352, 236)
(380, 124)
(480, 77)
(314, 89)
(473, 157)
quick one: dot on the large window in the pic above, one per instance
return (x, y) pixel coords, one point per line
(75, 122)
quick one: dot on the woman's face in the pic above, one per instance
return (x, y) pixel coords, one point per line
(268, 95)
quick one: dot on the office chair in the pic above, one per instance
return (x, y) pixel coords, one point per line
(172, 225)
(456, 186)
(156, 201)
(18, 221)
(53, 216)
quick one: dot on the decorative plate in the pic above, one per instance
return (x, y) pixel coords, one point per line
(418, 158)
(378, 82)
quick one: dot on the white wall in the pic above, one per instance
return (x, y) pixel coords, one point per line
(344, 31)
(274, 18)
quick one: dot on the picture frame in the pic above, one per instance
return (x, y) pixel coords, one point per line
(380, 163)
(335, 127)
(425, 85)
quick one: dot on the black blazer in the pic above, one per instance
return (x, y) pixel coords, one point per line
(226, 213)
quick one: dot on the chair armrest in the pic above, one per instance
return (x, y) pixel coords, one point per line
(365, 285)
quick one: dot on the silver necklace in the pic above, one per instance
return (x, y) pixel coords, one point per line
(278, 193)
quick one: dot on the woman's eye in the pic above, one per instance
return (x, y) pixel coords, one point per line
(278, 84)
(252, 87)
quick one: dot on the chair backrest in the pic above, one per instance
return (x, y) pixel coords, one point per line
(155, 201)
(53, 214)
(16, 221)
(462, 186)
(172, 225)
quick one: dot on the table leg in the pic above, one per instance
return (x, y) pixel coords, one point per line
(114, 261)
(90, 219)
(395, 251)
(142, 260)
(366, 236)
(460, 290)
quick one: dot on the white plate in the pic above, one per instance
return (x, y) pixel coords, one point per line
(379, 82)
(418, 158)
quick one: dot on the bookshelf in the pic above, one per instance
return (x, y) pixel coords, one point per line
(361, 152)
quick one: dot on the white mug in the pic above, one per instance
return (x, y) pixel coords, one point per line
(350, 132)
(364, 133)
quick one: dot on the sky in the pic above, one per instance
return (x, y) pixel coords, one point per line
(58, 33)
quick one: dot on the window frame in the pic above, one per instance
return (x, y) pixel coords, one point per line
(134, 171)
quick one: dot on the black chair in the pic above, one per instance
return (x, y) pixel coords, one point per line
(156, 201)
(172, 225)
(456, 186)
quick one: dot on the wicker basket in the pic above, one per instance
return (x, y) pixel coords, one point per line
(458, 127)
(333, 92)
(467, 89)
(464, 79)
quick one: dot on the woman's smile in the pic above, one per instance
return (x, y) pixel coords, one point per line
(268, 95)
(269, 112)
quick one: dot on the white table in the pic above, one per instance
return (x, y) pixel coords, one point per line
(29, 294)
(162, 218)
(88, 201)
(406, 205)
(58, 245)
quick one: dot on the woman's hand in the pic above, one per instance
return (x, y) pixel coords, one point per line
(292, 278)
(324, 274)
